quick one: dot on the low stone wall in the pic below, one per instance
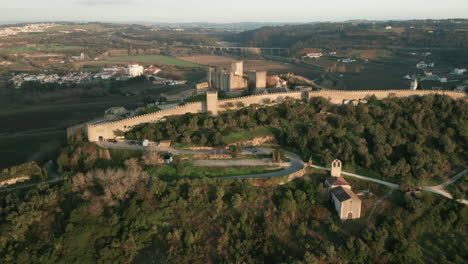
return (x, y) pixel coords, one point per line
(297, 174)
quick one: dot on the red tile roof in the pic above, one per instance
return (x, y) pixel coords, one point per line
(336, 181)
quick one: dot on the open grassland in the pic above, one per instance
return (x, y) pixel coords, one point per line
(187, 170)
(247, 135)
(152, 59)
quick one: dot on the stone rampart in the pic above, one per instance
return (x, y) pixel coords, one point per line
(337, 97)
(102, 131)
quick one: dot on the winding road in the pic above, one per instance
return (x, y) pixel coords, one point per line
(297, 164)
(294, 165)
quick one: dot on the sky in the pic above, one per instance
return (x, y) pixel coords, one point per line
(223, 11)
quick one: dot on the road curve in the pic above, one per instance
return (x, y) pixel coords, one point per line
(440, 189)
(296, 164)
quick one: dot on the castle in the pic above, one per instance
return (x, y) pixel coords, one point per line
(235, 80)
(102, 130)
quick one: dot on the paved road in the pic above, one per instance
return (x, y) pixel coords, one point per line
(296, 164)
(440, 189)
(388, 184)
(50, 172)
(240, 162)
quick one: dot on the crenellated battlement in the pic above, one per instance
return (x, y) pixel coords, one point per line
(104, 131)
(260, 96)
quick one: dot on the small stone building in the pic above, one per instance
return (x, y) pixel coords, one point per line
(346, 202)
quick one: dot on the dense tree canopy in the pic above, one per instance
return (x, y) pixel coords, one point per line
(413, 139)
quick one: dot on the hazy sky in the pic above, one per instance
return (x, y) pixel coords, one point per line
(228, 11)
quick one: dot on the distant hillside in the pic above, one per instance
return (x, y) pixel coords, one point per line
(404, 34)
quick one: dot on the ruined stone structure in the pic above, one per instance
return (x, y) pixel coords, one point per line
(105, 130)
(235, 79)
(347, 203)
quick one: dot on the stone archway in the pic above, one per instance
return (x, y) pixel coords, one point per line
(101, 138)
(350, 215)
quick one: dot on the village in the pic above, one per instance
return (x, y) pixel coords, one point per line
(118, 73)
(40, 27)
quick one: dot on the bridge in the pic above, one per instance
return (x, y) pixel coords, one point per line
(239, 50)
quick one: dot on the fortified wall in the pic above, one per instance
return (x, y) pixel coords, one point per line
(103, 131)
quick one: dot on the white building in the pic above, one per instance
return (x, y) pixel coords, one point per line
(135, 70)
(458, 71)
(314, 55)
(414, 85)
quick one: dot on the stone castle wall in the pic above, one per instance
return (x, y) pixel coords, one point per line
(106, 130)
(337, 97)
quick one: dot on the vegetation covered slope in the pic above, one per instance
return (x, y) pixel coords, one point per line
(445, 33)
(415, 139)
(124, 216)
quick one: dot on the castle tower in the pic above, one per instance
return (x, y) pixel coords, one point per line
(210, 78)
(237, 68)
(212, 102)
(257, 80)
(336, 168)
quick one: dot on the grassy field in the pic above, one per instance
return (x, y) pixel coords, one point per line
(247, 135)
(169, 172)
(153, 59)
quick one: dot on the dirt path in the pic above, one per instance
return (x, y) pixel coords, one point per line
(439, 189)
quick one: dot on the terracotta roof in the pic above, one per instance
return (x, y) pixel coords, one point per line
(343, 194)
(336, 181)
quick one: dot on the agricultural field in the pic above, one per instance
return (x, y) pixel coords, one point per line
(36, 131)
(152, 59)
(211, 60)
(272, 67)
(90, 27)
(370, 54)
(40, 48)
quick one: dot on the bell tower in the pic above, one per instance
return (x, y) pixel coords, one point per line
(336, 168)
